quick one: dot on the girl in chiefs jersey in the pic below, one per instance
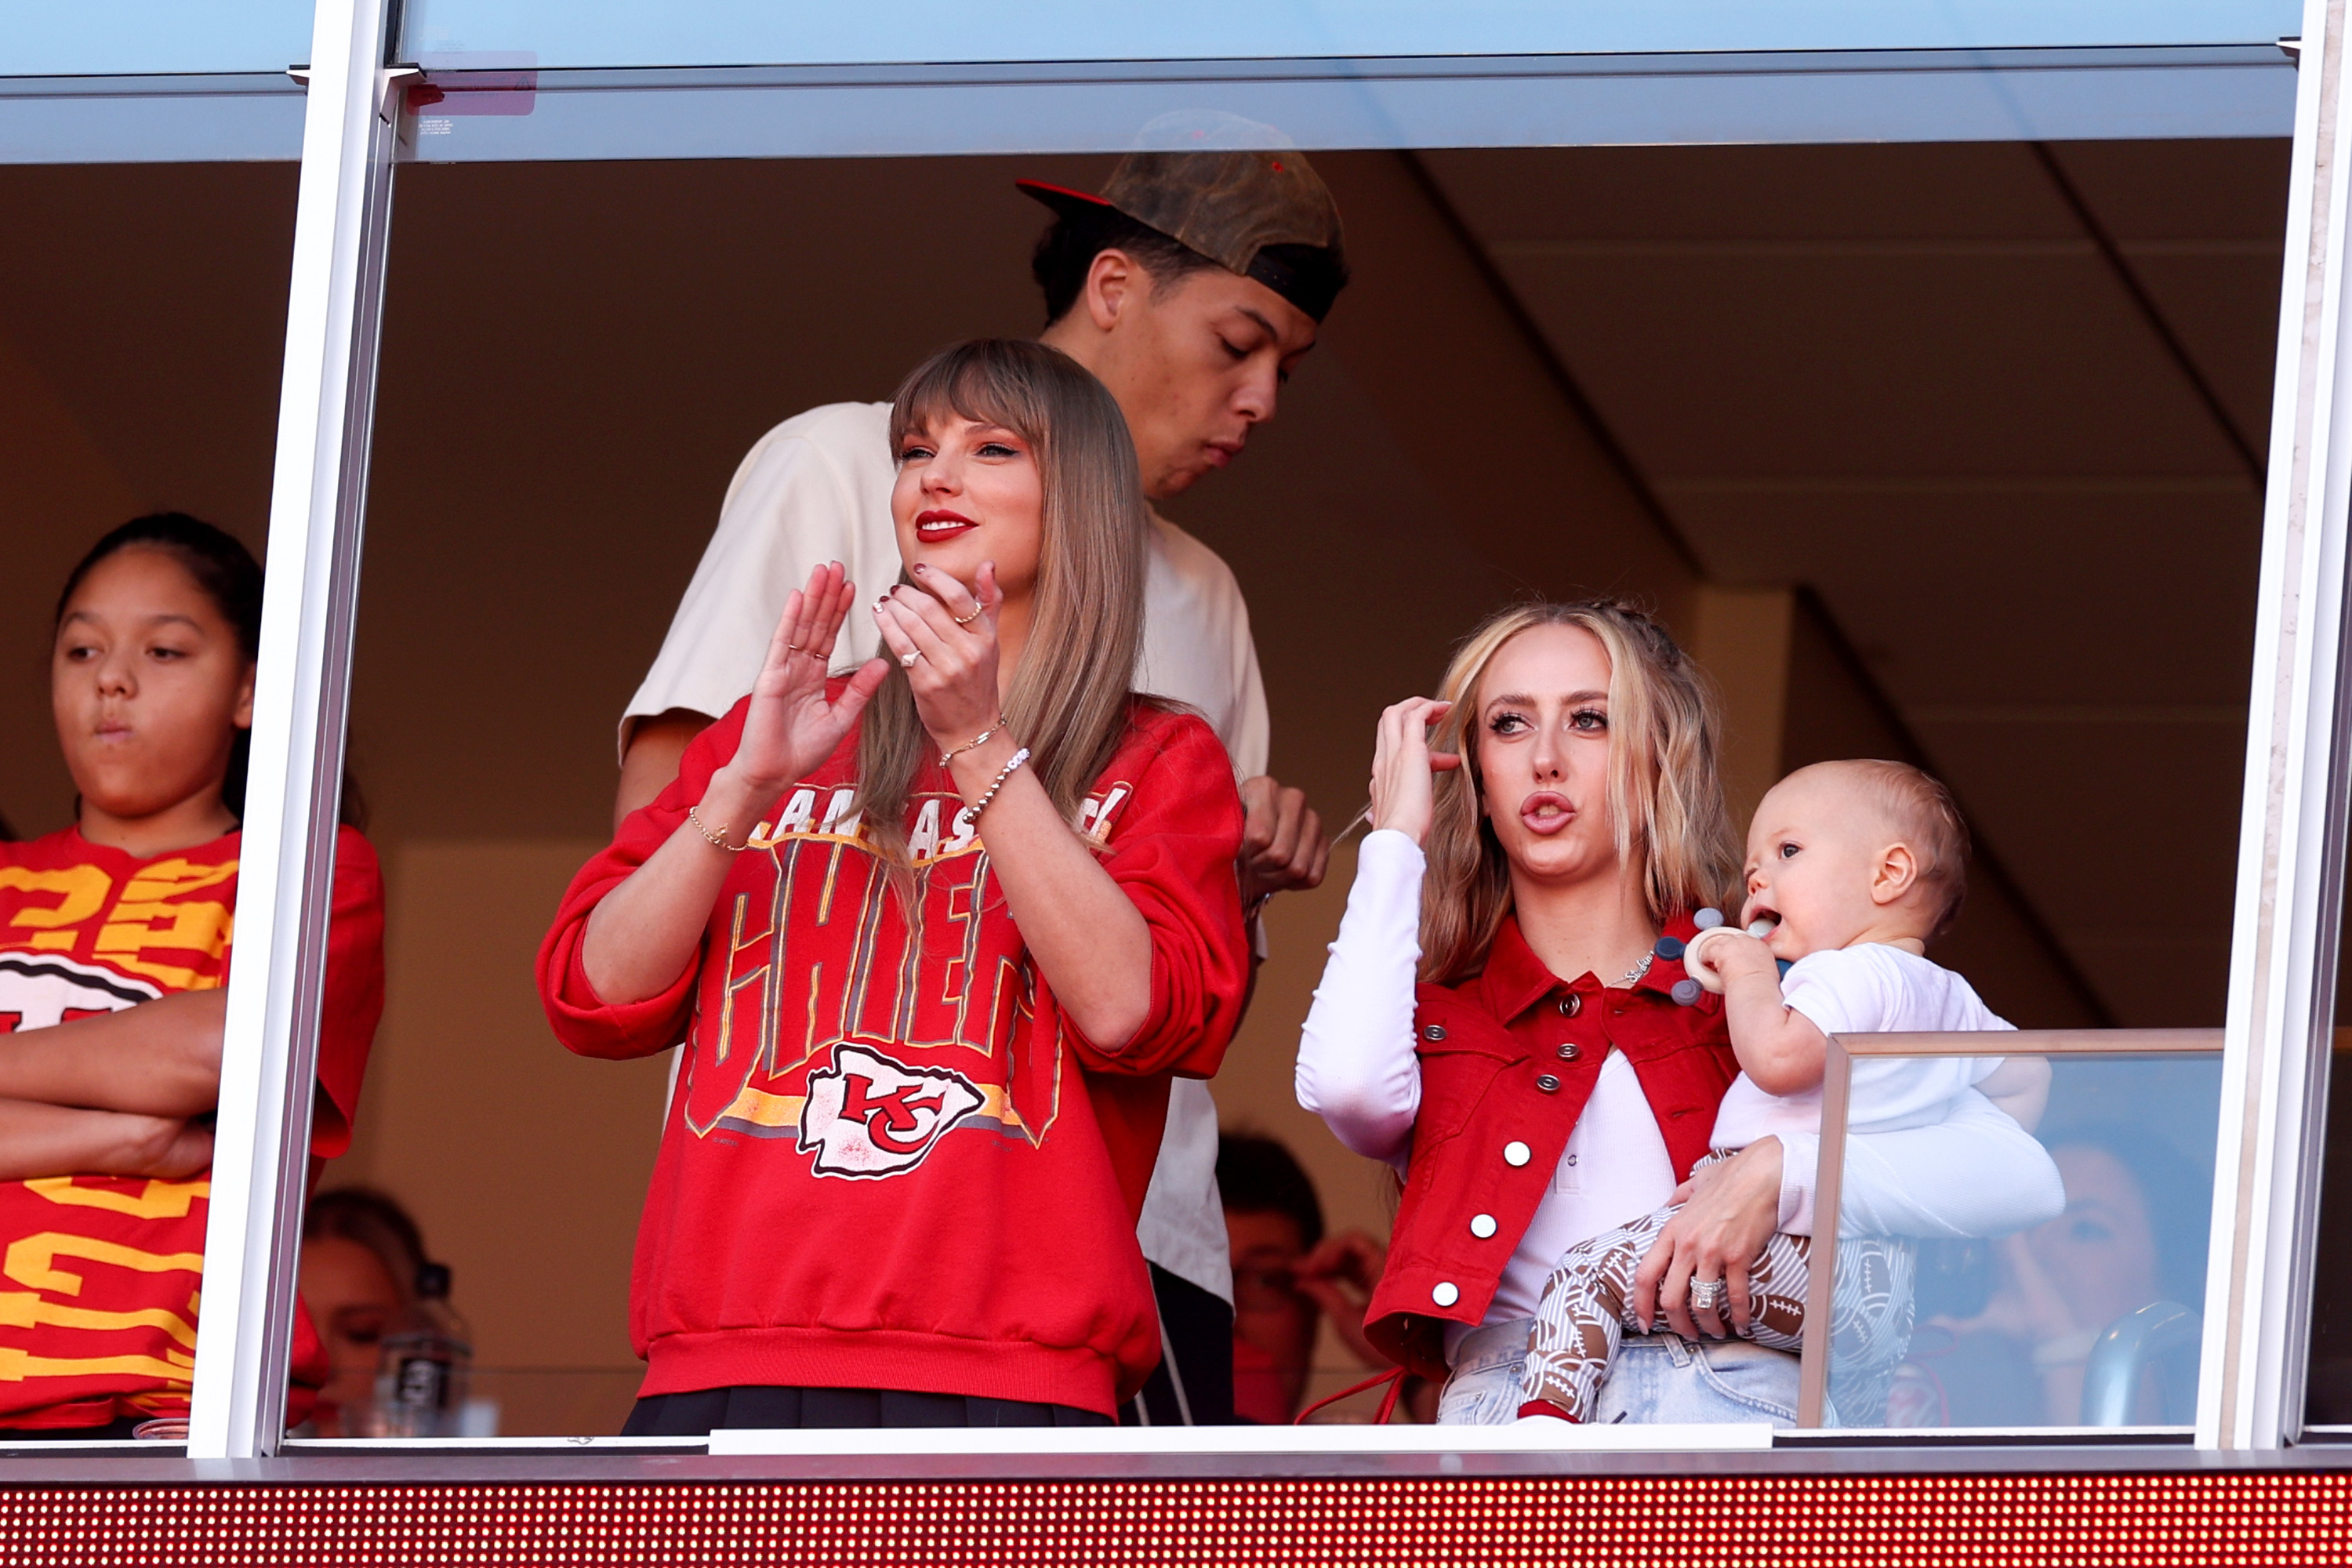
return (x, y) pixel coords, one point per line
(115, 936)
(936, 936)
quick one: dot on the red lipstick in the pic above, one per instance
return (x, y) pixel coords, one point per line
(939, 524)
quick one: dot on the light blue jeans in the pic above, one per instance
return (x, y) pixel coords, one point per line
(1655, 1378)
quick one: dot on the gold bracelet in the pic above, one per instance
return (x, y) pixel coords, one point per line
(981, 805)
(983, 737)
(717, 837)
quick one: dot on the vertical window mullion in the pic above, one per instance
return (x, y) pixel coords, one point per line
(2250, 1388)
(294, 783)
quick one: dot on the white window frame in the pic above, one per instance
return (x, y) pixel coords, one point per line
(2283, 946)
(294, 782)
(2281, 989)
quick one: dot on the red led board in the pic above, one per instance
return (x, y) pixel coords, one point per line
(2276, 1519)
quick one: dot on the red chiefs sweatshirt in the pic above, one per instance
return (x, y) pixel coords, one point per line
(895, 1165)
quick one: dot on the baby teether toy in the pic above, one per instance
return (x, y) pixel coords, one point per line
(1700, 971)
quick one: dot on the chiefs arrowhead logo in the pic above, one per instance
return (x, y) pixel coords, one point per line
(869, 1116)
(39, 989)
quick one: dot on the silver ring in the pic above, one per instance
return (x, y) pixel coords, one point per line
(906, 660)
(1706, 1295)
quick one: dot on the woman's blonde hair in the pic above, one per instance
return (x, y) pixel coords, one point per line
(1665, 798)
(1070, 698)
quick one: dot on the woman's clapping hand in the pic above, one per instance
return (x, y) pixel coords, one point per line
(1405, 769)
(791, 726)
(945, 636)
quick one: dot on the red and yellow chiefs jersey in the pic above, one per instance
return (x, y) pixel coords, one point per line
(101, 1276)
(891, 1162)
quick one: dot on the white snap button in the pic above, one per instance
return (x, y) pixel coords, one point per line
(1481, 1226)
(1517, 1153)
(1445, 1294)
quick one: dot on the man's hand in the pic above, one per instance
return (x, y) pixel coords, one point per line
(1338, 1277)
(1284, 845)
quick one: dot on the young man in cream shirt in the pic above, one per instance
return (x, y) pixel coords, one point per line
(1189, 287)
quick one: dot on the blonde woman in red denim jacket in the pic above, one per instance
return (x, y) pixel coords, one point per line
(1563, 813)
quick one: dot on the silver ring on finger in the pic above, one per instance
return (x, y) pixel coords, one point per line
(1706, 1295)
(906, 660)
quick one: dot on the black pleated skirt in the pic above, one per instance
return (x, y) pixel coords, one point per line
(705, 1410)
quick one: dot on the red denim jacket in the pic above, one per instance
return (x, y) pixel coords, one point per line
(1507, 1059)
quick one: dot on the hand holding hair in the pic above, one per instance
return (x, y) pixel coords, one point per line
(1404, 770)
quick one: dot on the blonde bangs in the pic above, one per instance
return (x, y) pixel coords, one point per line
(1068, 699)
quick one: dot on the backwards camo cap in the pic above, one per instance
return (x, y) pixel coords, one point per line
(1258, 210)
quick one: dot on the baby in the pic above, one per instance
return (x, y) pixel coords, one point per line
(1855, 865)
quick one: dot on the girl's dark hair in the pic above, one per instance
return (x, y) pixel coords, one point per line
(1068, 249)
(223, 568)
(219, 562)
(1257, 1174)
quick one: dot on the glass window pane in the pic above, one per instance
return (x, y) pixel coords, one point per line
(150, 119)
(2330, 1398)
(915, 31)
(140, 359)
(495, 107)
(1932, 450)
(2088, 1316)
(130, 37)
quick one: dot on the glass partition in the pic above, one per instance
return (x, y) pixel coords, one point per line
(1506, 222)
(494, 106)
(153, 37)
(1935, 451)
(235, 118)
(139, 374)
(2064, 1289)
(915, 31)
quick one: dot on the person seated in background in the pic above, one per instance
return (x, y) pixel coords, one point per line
(361, 1257)
(115, 942)
(2012, 1348)
(1191, 288)
(1289, 1276)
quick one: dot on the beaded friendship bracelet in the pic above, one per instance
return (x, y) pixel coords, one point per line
(981, 805)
